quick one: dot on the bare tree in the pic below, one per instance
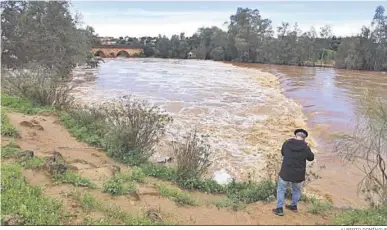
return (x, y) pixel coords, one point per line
(369, 143)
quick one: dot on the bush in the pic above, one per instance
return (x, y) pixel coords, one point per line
(207, 185)
(137, 174)
(192, 157)
(20, 198)
(40, 86)
(133, 129)
(370, 217)
(7, 128)
(120, 184)
(249, 192)
(127, 129)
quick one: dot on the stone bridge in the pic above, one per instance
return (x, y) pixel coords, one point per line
(109, 51)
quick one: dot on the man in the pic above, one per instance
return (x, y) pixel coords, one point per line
(295, 152)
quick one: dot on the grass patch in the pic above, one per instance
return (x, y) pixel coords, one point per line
(159, 171)
(180, 198)
(84, 125)
(33, 163)
(86, 201)
(318, 206)
(124, 218)
(228, 203)
(120, 184)
(21, 105)
(7, 128)
(113, 214)
(74, 179)
(18, 197)
(9, 151)
(370, 217)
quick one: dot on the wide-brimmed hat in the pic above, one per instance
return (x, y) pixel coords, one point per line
(301, 131)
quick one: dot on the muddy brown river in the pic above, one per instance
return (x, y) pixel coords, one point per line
(248, 112)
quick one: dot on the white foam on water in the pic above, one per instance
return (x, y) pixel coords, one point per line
(222, 177)
(213, 96)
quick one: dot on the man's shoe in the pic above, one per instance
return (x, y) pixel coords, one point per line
(278, 211)
(292, 208)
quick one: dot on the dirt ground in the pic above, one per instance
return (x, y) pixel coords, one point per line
(95, 165)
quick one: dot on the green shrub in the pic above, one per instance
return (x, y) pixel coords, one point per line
(207, 185)
(137, 174)
(251, 192)
(371, 217)
(159, 171)
(120, 184)
(73, 178)
(192, 157)
(127, 129)
(7, 128)
(18, 197)
(180, 198)
(134, 128)
(318, 206)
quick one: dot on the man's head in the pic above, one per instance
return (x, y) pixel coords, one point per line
(301, 134)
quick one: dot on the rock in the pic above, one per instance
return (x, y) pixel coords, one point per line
(26, 153)
(164, 161)
(115, 169)
(46, 113)
(72, 167)
(13, 220)
(32, 124)
(154, 215)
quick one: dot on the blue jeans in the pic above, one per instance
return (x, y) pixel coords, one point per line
(281, 189)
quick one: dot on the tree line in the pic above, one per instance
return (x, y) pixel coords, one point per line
(251, 38)
(44, 33)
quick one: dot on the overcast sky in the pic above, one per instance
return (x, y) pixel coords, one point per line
(136, 19)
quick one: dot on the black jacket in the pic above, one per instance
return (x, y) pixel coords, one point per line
(295, 153)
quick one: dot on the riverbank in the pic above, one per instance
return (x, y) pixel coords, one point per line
(83, 199)
(90, 172)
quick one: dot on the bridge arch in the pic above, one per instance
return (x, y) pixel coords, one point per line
(100, 53)
(123, 53)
